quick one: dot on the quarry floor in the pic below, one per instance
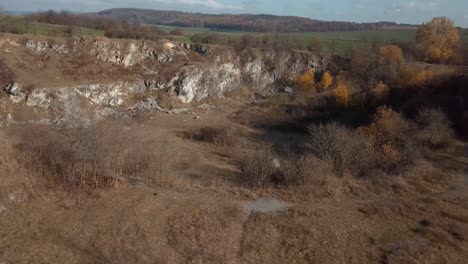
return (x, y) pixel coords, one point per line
(203, 217)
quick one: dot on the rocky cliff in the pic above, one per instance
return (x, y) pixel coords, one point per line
(105, 76)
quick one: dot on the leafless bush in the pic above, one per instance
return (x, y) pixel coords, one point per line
(85, 159)
(308, 171)
(72, 158)
(435, 128)
(387, 144)
(258, 167)
(341, 146)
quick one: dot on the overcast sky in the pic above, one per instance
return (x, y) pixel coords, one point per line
(412, 11)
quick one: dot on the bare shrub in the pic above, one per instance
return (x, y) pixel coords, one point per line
(86, 159)
(308, 170)
(72, 158)
(385, 145)
(258, 167)
(435, 128)
(134, 161)
(341, 146)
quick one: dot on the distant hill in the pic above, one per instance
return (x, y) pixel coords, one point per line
(239, 22)
(17, 13)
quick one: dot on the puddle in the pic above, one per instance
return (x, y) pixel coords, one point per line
(266, 205)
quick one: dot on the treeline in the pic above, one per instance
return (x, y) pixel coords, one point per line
(112, 28)
(242, 22)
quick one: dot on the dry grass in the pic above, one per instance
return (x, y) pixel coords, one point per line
(206, 233)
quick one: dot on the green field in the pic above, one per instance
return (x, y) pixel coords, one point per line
(344, 40)
(18, 25)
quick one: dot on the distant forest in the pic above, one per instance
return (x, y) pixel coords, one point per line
(241, 22)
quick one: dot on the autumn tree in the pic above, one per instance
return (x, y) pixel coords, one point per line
(391, 55)
(326, 81)
(306, 81)
(438, 39)
(389, 59)
(342, 94)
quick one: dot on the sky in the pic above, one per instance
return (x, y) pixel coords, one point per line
(402, 11)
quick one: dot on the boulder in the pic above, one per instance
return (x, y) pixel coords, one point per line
(288, 90)
(14, 92)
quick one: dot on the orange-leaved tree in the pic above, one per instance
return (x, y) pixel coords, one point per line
(438, 39)
(326, 81)
(391, 55)
(306, 81)
(342, 94)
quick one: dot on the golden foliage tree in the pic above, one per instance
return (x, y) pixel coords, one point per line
(438, 39)
(342, 94)
(415, 77)
(380, 91)
(306, 81)
(391, 55)
(422, 78)
(326, 81)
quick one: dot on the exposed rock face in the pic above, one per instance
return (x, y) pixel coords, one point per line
(196, 84)
(191, 72)
(40, 98)
(113, 94)
(149, 105)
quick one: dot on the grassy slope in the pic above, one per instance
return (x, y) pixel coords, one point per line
(18, 23)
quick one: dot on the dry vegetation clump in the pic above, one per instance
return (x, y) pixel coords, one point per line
(344, 148)
(73, 159)
(308, 170)
(258, 167)
(387, 144)
(86, 159)
(434, 128)
(392, 140)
